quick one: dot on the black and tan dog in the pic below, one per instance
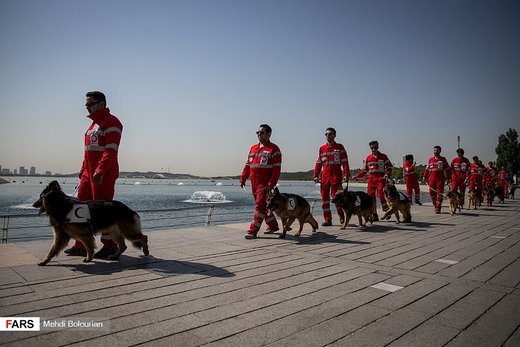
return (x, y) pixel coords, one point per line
(473, 198)
(454, 201)
(489, 195)
(498, 192)
(71, 218)
(358, 203)
(397, 202)
(290, 207)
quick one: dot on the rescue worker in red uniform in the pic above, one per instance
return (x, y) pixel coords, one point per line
(263, 167)
(411, 180)
(332, 158)
(476, 176)
(379, 168)
(491, 175)
(503, 177)
(460, 170)
(100, 168)
(438, 170)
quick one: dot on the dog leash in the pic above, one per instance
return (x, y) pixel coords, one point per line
(436, 191)
(75, 190)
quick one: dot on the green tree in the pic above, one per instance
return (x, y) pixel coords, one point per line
(508, 151)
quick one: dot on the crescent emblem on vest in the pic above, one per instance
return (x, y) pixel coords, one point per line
(77, 213)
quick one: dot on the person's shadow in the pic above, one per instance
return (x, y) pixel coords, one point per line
(163, 267)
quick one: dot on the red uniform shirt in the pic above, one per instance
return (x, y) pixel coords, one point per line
(409, 171)
(460, 167)
(263, 166)
(436, 167)
(476, 172)
(331, 159)
(503, 175)
(376, 166)
(102, 143)
(491, 173)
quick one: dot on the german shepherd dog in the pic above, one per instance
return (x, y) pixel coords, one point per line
(473, 198)
(454, 201)
(397, 202)
(290, 207)
(498, 192)
(489, 195)
(358, 203)
(111, 217)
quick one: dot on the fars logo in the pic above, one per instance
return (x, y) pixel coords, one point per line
(19, 323)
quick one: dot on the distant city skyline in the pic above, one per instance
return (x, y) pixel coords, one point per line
(22, 171)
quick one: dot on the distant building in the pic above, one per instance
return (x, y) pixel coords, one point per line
(48, 173)
(15, 172)
(33, 171)
(23, 171)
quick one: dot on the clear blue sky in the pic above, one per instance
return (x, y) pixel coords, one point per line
(192, 80)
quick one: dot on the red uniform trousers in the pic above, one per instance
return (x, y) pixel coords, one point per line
(412, 185)
(504, 186)
(436, 191)
(261, 211)
(327, 189)
(88, 190)
(376, 183)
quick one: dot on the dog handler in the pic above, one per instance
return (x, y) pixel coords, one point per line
(460, 170)
(411, 180)
(476, 176)
(332, 158)
(379, 168)
(263, 167)
(436, 168)
(100, 168)
(503, 176)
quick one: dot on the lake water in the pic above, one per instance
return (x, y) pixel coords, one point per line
(161, 203)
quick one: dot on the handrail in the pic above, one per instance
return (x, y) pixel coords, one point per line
(206, 218)
(7, 218)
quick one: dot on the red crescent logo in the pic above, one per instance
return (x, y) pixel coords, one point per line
(76, 212)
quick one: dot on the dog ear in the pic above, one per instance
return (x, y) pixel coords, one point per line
(54, 185)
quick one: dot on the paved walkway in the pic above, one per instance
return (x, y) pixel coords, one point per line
(441, 280)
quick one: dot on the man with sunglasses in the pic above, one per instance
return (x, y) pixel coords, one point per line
(100, 168)
(379, 168)
(332, 158)
(263, 167)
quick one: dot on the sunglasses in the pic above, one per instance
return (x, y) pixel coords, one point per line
(90, 104)
(374, 147)
(260, 132)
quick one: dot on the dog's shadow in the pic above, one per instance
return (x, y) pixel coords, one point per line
(163, 267)
(413, 226)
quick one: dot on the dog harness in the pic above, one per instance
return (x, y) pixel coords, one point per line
(291, 204)
(80, 213)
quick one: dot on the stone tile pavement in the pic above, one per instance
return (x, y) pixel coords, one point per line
(440, 281)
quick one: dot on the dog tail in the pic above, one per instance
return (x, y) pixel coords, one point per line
(312, 222)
